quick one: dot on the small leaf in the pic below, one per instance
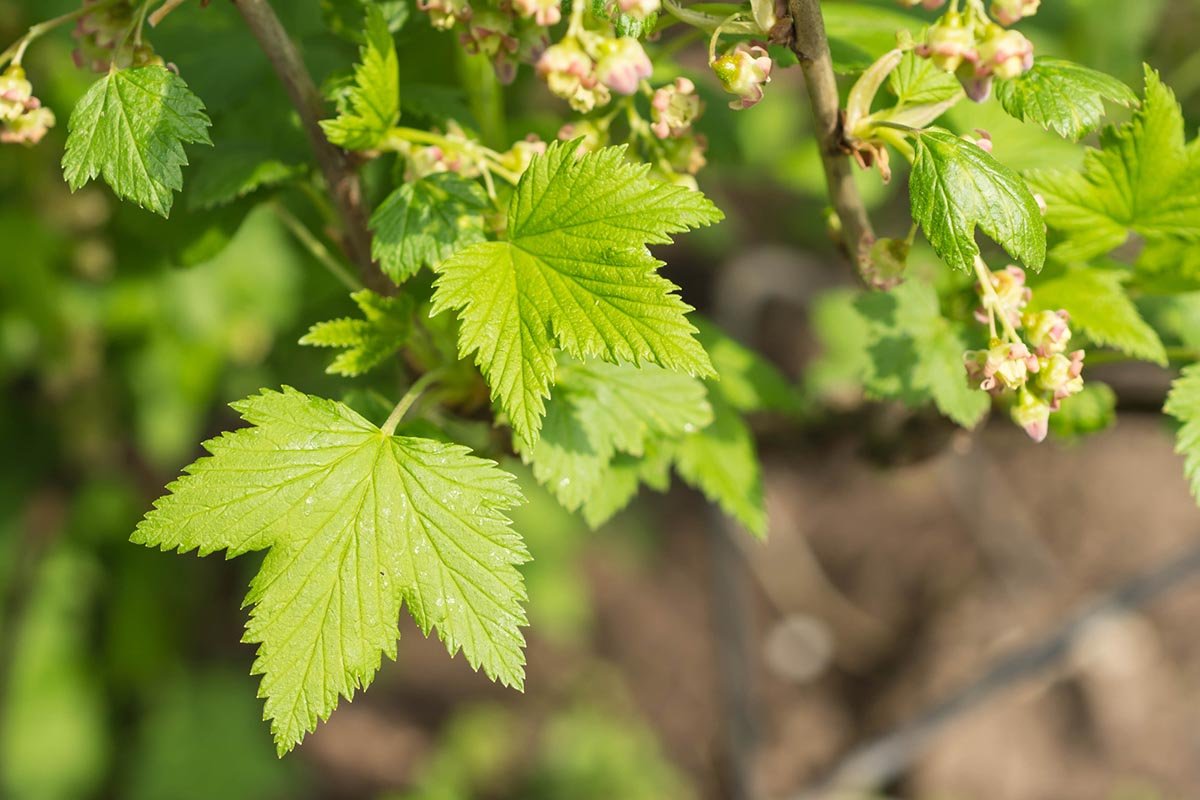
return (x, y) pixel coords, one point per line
(1183, 403)
(956, 186)
(424, 222)
(384, 328)
(129, 129)
(356, 523)
(371, 107)
(1062, 96)
(918, 81)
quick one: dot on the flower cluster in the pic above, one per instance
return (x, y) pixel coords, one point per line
(455, 151)
(104, 40)
(1036, 367)
(23, 118)
(977, 49)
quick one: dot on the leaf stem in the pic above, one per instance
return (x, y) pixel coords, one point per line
(411, 396)
(16, 51)
(811, 47)
(315, 247)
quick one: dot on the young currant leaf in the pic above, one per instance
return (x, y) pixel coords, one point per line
(918, 81)
(1062, 96)
(600, 409)
(1100, 307)
(574, 272)
(956, 186)
(899, 346)
(1144, 179)
(385, 326)
(371, 106)
(356, 522)
(1183, 403)
(425, 221)
(129, 129)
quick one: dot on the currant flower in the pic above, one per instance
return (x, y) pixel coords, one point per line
(29, 128)
(520, 155)
(591, 136)
(1009, 12)
(1048, 332)
(1008, 297)
(674, 108)
(490, 33)
(623, 65)
(445, 14)
(744, 71)
(570, 74)
(543, 12)
(1003, 53)
(1061, 376)
(949, 43)
(686, 154)
(639, 9)
(1032, 412)
(16, 94)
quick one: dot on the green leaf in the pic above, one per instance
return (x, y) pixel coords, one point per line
(747, 380)
(356, 523)
(574, 273)
(1101, 309)
(424, 222)
(721, 461)
(1144, 179)
(956, 186)
(129, 129)
(1062, 96)
(600, 409)
(371, 106)
(386, 325)
(236, 171)
(900, 346)
(918, 81)
(1183, 403)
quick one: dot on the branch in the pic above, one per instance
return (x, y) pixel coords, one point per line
(812, 48)
(875, 763)
(344, 185)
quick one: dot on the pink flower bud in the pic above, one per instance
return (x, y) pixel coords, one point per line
(674, 108)
(1005, 54)
(948, 43)
(1008, 12)
(1048, 332)
(16, 94)
(543, 12)
(29, 128)
(570, 74)
(639, 9)
(1032, 413)
(623, 65)
(743, 71)
(1061, 377)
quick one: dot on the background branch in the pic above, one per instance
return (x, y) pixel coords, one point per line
(812, 48)
(344, 185)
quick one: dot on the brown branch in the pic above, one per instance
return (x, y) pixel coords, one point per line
(344, 185)
(812, 48)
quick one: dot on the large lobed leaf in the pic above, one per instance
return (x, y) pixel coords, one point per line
(129, 129)
(356, 523)
(574, 273)
(1144, 178)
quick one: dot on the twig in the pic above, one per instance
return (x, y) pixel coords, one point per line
(316, 247)
(885, 758)
(343, 181)
(166, 8)
(812, 48)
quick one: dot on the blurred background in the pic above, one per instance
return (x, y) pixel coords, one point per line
(936, 614)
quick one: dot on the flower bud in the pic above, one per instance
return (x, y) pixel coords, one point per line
(543, 12)
(948, 43)
(1008, 12)
(1047, 332)
(639, 9)
(1061, 376)
(1032, 413)
(686, 154)
(16, 93)
(743, 71)
(570, 74)
(521, 154)
(1005, 54)
(591, 136)
(674, 108)
(444, 14)
(623, 65)
(29, 128)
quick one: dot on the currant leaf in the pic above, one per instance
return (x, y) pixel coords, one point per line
(356, 523)
(426, 221)
(574, 273)
(1183, 403)
(368, 342)
(371, 106)
(129, 129)
(956, 186)
(1062, 96)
